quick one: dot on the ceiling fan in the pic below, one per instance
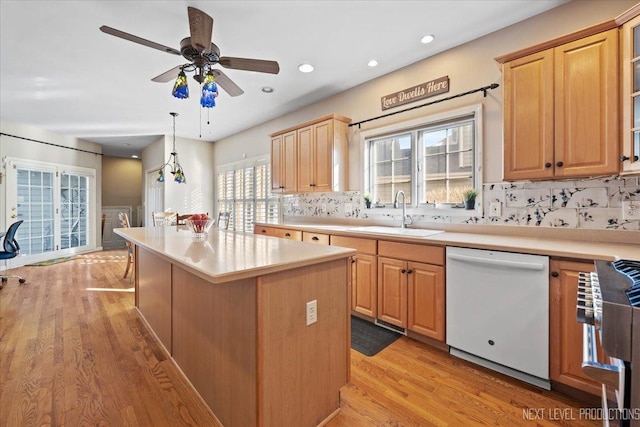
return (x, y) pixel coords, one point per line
(202, 54)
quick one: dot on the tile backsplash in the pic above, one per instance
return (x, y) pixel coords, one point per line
(590, 204)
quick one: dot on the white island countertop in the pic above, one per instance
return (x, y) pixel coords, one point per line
(226, 255)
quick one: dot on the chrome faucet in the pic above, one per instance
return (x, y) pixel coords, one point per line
(405, 220)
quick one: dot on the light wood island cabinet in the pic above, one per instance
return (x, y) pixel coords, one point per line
(231, 313)
(561, 107)
(320, 160)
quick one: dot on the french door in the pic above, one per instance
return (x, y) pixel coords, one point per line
(57, 205)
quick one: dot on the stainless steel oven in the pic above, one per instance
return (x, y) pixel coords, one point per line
(608, 305)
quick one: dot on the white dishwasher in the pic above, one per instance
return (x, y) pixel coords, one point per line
(498, 311)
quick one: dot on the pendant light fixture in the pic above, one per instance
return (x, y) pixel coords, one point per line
(176, 169)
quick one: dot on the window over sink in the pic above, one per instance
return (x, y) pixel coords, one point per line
(434, 159)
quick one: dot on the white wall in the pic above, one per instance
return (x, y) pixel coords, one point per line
(469, 66)
(23, 149)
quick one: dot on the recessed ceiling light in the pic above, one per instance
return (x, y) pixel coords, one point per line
(372, 63)
(267, 89)
(135, 156)
(427, 39)
(305, 68)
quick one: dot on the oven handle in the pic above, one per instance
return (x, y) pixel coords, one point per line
(609, 375)
(497, 262)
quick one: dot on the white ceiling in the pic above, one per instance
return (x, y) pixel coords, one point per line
(58, 72)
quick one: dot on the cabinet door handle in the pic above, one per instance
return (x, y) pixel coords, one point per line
(547, 165)
(403, 271)
(559, 164)
(353, 261)
(410, 271)
(555, 274)
(625, 158)
(315, 238)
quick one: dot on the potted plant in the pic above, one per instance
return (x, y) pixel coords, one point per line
(470, 199)
(367, 200)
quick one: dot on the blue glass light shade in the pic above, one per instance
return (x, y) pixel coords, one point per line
(209, 91)
(181, 88)
(160, 175)
(208, 99)
(179, 177)
(209, 83)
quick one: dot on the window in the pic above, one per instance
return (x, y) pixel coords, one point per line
(433, 160)
(244, 190)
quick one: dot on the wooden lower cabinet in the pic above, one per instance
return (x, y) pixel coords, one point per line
(411, 295)
(364, 289)
(392, 291)
(426, 300)
(565, 334)
(283, 233)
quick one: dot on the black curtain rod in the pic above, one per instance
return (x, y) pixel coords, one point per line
(50, 143)
(481, 89)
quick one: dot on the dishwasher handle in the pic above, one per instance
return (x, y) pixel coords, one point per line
(497, 262)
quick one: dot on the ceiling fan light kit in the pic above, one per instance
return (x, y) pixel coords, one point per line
(180, 87)
(202, 55)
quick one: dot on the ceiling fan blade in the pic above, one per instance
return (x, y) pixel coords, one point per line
(167, 76)
(259, 65)
(139, 40)
(201, 27)
(227, 84)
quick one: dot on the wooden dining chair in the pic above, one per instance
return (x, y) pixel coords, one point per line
(164, 218)
(124, 223)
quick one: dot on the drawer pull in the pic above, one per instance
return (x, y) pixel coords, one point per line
(287, 235)
(315, 238)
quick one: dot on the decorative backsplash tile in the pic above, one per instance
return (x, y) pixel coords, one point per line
(589, 204)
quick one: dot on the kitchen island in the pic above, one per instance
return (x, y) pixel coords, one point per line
(232, 313)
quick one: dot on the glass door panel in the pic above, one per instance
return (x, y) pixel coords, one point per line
(73, 211)
(35, 208)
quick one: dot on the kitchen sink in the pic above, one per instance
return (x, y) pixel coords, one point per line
(416, 232)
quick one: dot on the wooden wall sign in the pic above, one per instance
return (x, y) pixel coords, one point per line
(416, 93)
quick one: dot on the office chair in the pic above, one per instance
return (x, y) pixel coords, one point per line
(10, 249)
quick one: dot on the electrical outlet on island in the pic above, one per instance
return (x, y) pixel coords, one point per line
(312, 312)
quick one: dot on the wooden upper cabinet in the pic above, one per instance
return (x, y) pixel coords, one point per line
(321, 155)
(630, 53)
(586, 108)
(561, 110)
(305, 159)
(284, 163)
(528, 117)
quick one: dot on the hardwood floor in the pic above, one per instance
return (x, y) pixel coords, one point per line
(74, 352)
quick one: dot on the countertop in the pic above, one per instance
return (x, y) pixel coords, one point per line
(564, 248)
(226, 255)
